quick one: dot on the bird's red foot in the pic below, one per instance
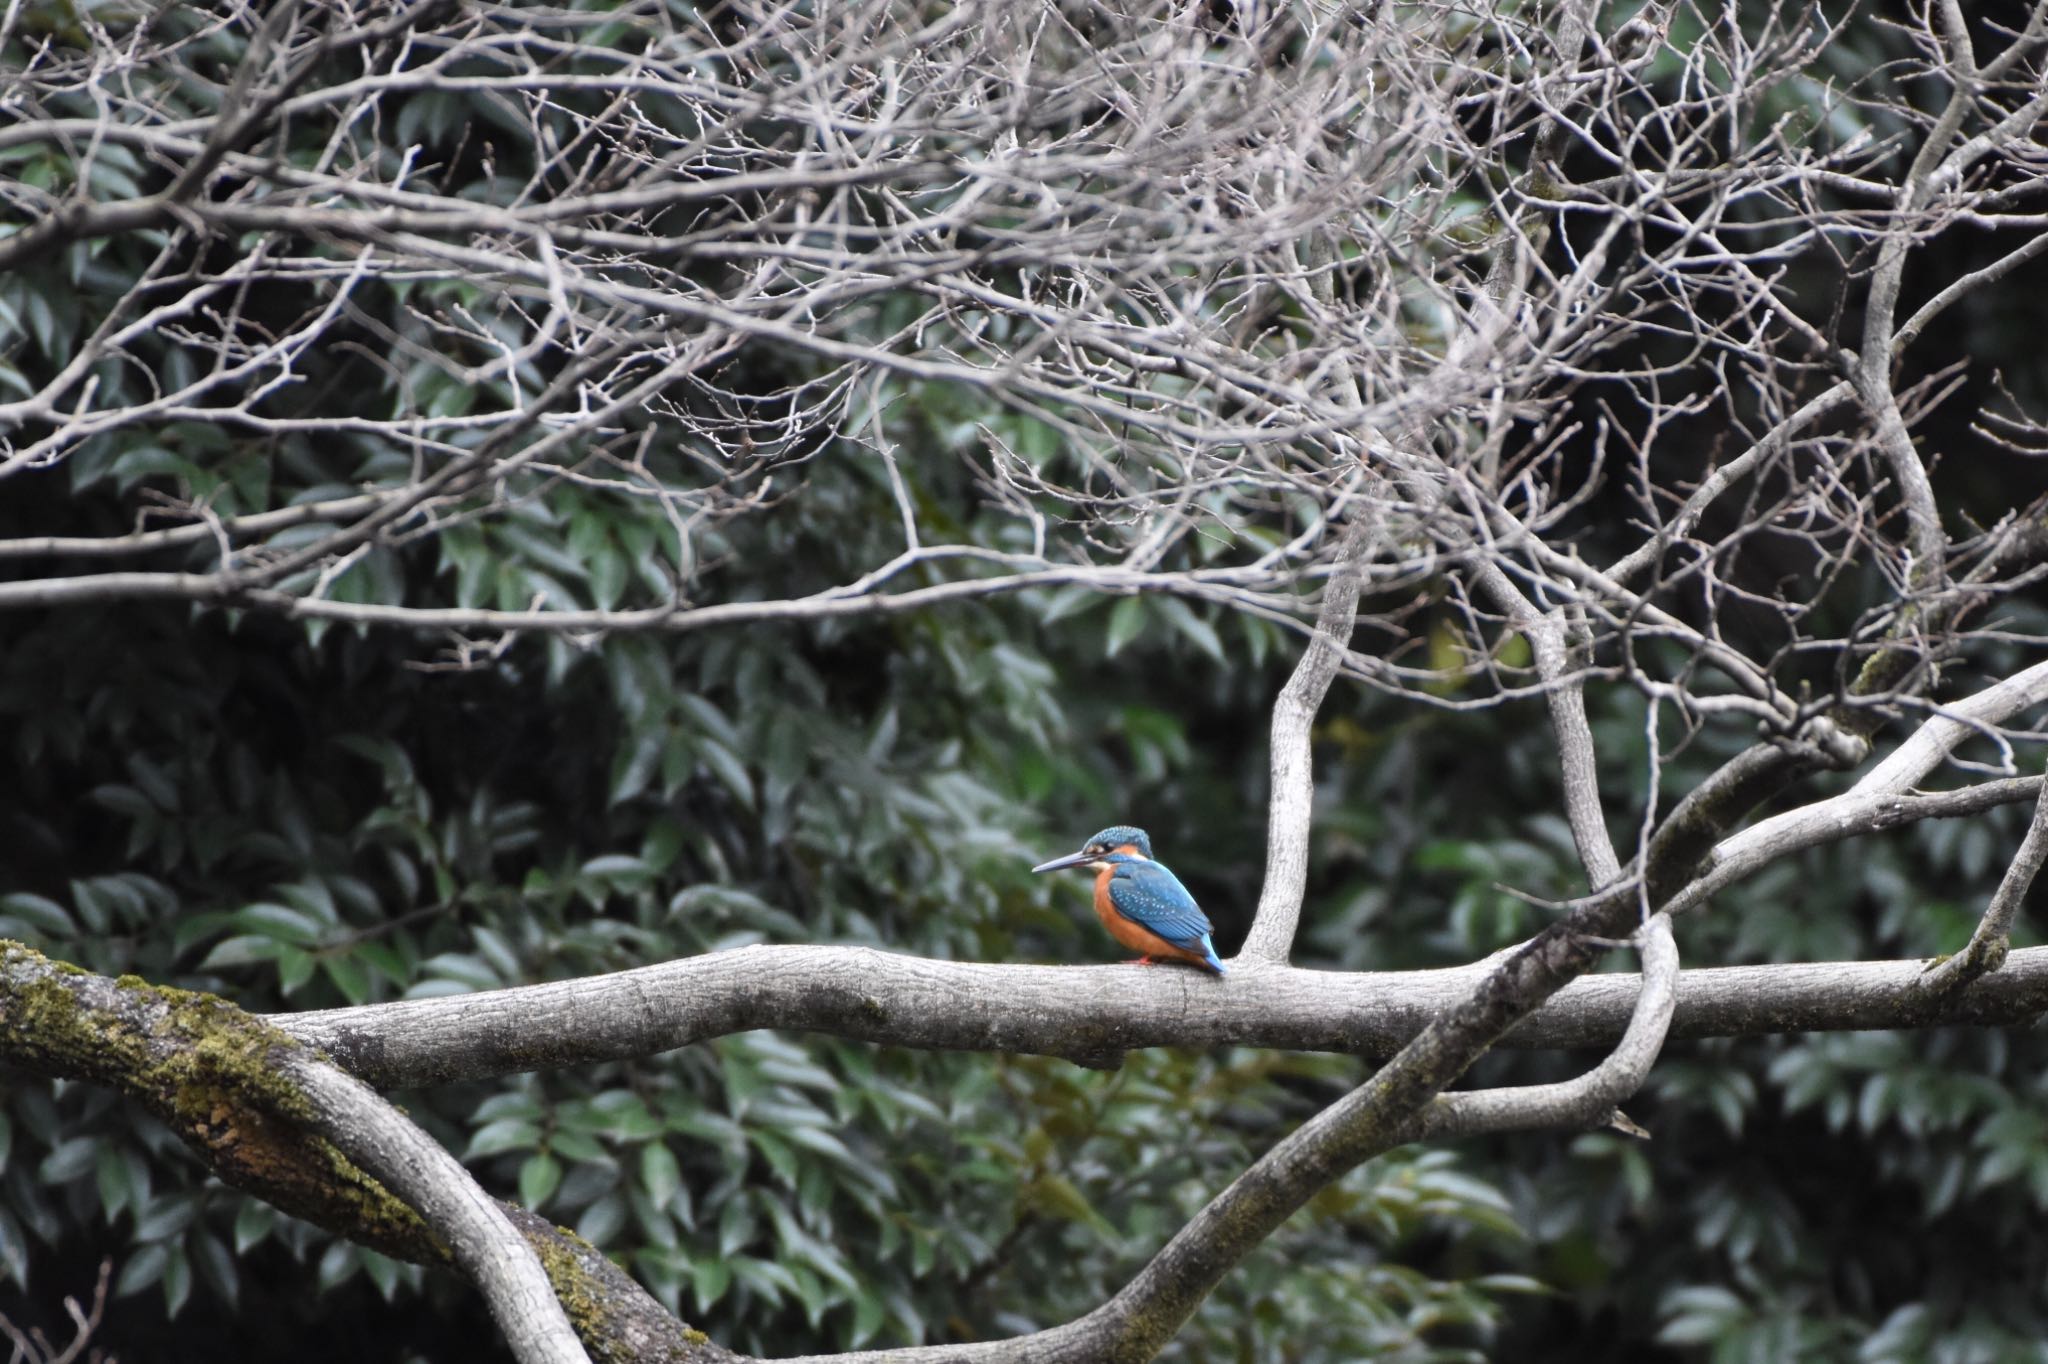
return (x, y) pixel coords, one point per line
(1141, 961)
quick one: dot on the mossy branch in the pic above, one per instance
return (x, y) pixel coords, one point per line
(256, 1106)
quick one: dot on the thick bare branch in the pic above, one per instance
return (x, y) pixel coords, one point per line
(1590, 1099)
(1094, 1014)
(269, 1116)
(1291, 801)
(487, 1248)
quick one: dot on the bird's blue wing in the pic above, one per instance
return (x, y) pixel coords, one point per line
(1148, 894)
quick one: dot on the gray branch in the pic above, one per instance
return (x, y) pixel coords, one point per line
(1565, 693)
(485, 1246)
(1292, 799)
(1590, 1099)
(1087, 1014)
(1989, 947)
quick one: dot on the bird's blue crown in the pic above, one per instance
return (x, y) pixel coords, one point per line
(1119, 835)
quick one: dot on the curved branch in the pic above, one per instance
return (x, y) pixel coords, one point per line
(1990, 945)
(266, 1115)
(1093, 1014)
(1592, 1098)
(486, 1247)
(1292, 798)
(1086, 1014)
(1874, 365)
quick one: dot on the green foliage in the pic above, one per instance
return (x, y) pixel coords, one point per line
(302, 825)
(310, 817)
(300, 820)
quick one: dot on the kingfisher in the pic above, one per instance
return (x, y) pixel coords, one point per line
(1142, 904)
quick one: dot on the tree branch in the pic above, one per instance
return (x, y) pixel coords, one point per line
(269, 1117)
(1951, 724)
(174, 537)
(1990, 946)
(1093, 1014)
(1565, 693)
(1590, 1099)
(486, 1247)
(1291, 801)
(1087, 1014)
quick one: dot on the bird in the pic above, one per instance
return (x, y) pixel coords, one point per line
(1142, 904)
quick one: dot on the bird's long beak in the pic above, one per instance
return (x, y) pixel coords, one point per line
(1079, 859)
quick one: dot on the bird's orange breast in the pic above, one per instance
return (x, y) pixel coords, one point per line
(1133, 935)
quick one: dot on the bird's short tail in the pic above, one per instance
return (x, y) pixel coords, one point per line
(1210, 958)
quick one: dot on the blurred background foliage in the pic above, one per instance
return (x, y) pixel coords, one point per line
(231, 805)
(298, 817)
